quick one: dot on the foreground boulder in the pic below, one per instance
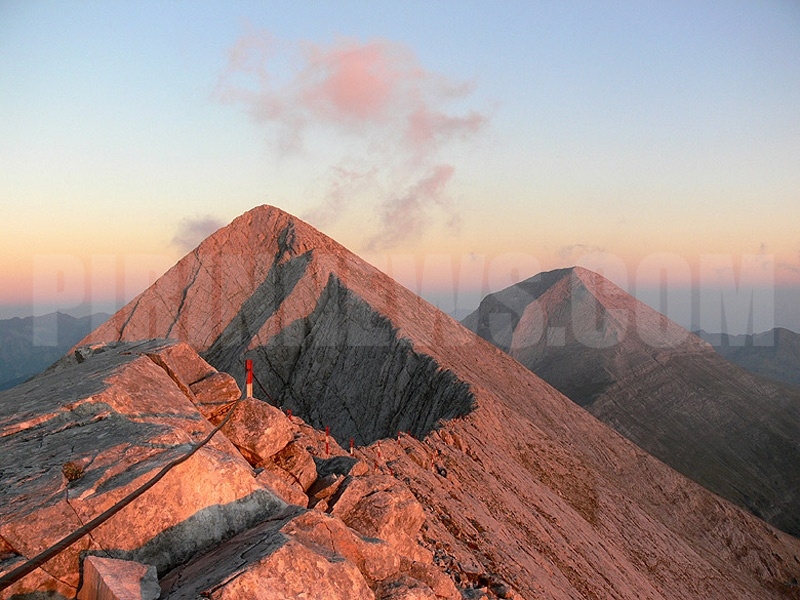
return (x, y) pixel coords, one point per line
(290, 556)
(258, 430)
(93, 429)
(112, 579)
(381, 507)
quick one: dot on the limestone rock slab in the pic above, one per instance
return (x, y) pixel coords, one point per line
(215, 391)
(113, 579)
(291, 555)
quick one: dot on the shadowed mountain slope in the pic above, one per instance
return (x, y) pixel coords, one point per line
(518, 484)
(657, 384)
(774, 354)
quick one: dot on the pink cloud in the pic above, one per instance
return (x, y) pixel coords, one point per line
(427, 129)
(352, 82)
(394, 117)
(403, 216)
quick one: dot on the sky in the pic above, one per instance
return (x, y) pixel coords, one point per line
(460, 146)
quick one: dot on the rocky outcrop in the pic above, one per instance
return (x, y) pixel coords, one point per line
(657, 384)
(108, 417)
(80, 438)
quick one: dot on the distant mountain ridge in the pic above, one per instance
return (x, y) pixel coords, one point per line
(29, 345)
(774, 354)
(657, 384)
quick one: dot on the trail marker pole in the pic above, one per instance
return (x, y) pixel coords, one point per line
(327, 442)
(248, 366)
(352, 446)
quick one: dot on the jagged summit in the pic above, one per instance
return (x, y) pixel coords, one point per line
(656, 383)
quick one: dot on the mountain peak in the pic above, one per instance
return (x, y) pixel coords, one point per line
(575, 306)
(272, 289)
(654, 382)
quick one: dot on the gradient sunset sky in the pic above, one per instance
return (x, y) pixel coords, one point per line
(459, 145)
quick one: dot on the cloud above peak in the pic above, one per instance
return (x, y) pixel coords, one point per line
(191, 231)
(374, 100)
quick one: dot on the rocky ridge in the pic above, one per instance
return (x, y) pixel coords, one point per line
(503, 485)
(121, 412)
(657, 384)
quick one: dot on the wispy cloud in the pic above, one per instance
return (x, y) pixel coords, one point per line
(403, 216)
(390, 116)
(191, 231)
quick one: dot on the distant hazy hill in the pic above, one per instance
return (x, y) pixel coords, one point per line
(26, 345)
(774, 354)
(657, 384)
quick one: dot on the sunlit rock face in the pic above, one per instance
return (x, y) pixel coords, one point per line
(95, 427)
(655, 383)
(483, 480)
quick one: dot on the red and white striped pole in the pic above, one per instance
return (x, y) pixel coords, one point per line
(248, 366)
(352, 446)
(327, 442)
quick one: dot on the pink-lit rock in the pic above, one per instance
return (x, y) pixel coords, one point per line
(298, 462)
(260, 430)
(112, 579)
